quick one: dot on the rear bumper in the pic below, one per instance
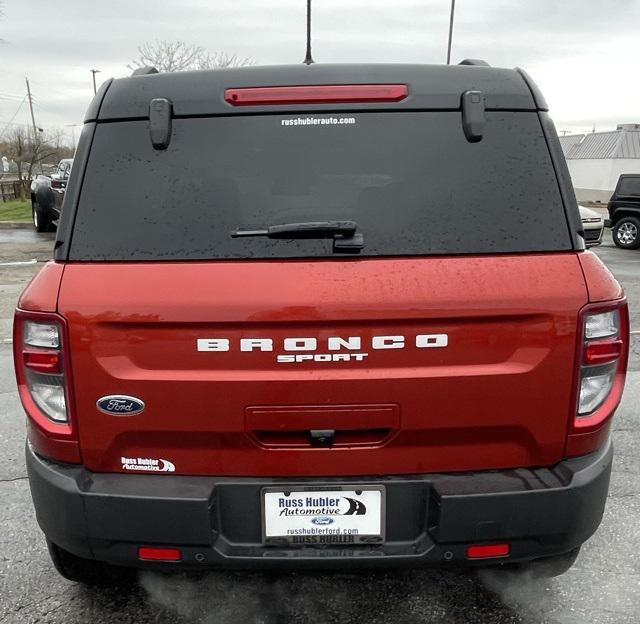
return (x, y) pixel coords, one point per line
(216, 522)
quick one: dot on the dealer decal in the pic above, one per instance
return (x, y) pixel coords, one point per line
(147, 464)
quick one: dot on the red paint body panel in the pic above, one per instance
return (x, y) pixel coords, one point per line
(47, 438)
(601, 284)
(498, 396)
(41, 294)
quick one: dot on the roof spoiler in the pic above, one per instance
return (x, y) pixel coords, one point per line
(478, 62)
(145, 71)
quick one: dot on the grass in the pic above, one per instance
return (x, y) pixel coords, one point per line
(15, 210)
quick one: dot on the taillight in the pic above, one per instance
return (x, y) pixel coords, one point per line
(43, 375)
(602, 366)
(315, 94)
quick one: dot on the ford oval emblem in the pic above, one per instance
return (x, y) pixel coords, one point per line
(120, 405)
(322, 520)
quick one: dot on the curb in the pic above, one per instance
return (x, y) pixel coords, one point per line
(15, 225)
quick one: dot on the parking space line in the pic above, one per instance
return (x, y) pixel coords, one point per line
(19, 262)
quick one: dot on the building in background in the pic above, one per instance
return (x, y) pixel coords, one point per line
(596, 160)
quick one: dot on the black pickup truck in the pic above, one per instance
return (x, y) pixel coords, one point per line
(624, 212)
(47, 193)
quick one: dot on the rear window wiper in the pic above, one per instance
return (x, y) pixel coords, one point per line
(309, 229)
(345, 237)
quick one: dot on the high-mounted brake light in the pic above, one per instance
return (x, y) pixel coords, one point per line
(42, 372)
(315, 94)
(602, 365)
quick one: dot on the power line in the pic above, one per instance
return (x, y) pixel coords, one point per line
(10, 122)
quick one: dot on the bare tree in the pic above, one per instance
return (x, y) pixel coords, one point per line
(30, 152)
(174, 56)
(220, 60)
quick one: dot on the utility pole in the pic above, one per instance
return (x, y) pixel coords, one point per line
(33, 118)
(453, 10)
(94, 72)
(73, 134)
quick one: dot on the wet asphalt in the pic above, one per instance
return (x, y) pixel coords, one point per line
(603, 587)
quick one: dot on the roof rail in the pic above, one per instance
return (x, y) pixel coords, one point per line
(144, 71)
(479, 62)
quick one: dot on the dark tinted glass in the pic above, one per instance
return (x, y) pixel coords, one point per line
(629, 186)
(411, 181)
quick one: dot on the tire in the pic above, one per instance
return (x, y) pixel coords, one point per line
(86, 571)
(626, 233)
(548, 567)
(41, 221)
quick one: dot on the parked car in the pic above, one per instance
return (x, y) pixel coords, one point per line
(593, 224)
(47, 194)
(624, 212)
(338, 324)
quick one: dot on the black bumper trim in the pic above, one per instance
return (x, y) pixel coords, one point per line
(216, 520)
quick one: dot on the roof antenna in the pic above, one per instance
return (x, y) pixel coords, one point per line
(307, 58)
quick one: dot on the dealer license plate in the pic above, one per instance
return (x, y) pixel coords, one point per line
(340, 515)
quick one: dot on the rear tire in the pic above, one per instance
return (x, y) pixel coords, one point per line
(626, 233)
(80, 570)
(41, 221)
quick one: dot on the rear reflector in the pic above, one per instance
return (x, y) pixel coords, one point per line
(487, 551)
(315, 94)
(148, 553)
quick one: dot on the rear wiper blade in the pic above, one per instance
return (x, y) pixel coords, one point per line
(310, 229)
(345, 237)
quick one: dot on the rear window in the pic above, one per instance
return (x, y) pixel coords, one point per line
(629, 186)
(410, 180)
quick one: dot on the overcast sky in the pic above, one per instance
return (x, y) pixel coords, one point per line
(583, 53)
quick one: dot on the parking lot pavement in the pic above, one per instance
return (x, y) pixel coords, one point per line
(602, 588)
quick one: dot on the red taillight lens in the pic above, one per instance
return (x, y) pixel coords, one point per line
(42, 373)
(601, 351)
(42, 361)
(487, 551)
(315, 94)
(602, 363)
(149, 553)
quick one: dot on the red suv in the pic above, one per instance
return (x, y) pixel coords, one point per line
(319, 316)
